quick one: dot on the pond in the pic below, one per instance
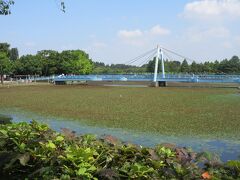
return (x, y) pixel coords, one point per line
(226, 149)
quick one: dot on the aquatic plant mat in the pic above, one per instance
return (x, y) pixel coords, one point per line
(34, 151)
(4, 119)
(226, 149)
(197, 112)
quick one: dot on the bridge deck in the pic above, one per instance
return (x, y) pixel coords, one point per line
(147, 77)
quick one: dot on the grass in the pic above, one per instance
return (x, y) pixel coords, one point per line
(196, 111)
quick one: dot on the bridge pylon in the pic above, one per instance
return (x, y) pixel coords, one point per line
(157, 83)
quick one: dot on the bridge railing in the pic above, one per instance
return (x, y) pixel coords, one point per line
(41, 78)
(107, 77)
(202, 78)
(144, 77)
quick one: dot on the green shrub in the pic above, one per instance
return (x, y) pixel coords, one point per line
(34, 151)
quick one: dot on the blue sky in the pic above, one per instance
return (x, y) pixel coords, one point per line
(114, 31)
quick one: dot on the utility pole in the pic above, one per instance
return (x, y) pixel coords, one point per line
(156, 66)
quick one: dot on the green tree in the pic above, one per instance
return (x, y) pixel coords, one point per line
(75, 62)
(194, 67)
(28, 65)
(216, 66)
(4, 47)
(184, 66)
(151, 65)
(208, 67)
(14, 54)
(81, 62)
(49, 61)
(5, 6)
(234, 64)
(173, 66)
(5, 65)
(231, 66)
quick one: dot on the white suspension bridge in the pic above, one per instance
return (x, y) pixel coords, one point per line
(158, 79)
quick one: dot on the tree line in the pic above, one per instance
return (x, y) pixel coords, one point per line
(50, 62)
(44, 63)
(226, 66)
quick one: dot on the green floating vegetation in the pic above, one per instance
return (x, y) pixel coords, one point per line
(195, 112)
(34, 151)
(5, 119)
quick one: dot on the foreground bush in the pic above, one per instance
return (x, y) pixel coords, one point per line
(34, 151)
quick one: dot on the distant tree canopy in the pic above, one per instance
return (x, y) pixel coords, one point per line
(28, 65)
(11, 53)
(49, 62)
(4, 47)
(5, 6)
(14, 54)
(75, 62)
(101, 68)
(184, 66)
(231, 66)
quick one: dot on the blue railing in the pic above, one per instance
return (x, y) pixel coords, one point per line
(146, 77)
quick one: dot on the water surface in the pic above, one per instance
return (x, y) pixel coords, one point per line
(226, 149)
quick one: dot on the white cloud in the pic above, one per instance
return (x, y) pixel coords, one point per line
(132, 37)
(210, 27)
(140, 37)
(158, 30)
(217, 32)
(92, 36)
(212, 9)
(30, 44)
(237, 39)
(198, 35)
(99, 45)
(227, 45)
(130, 34)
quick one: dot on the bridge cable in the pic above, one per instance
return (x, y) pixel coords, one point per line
(149, 58)
(168, 56)
(177, 54)
(139, 57)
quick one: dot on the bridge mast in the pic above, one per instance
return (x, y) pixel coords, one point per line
(159, 54)
(163, 69)
(156, 66)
